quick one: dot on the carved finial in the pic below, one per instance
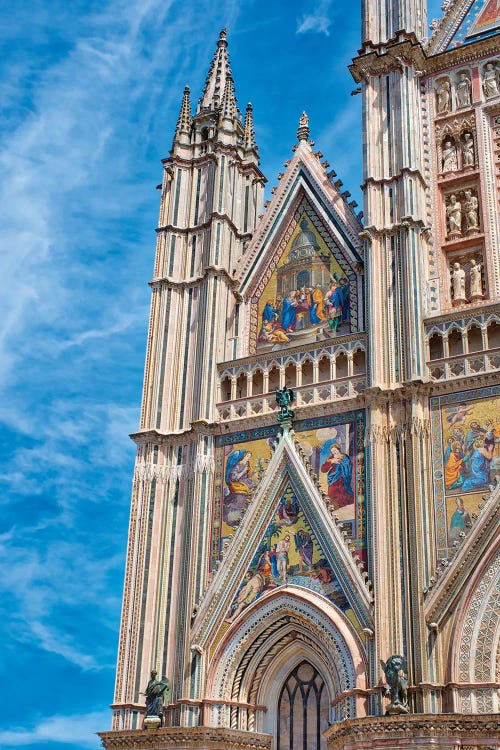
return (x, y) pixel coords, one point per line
(184, 119)
(303, 129)
(249, 139)
(229, 100)
(220, 71)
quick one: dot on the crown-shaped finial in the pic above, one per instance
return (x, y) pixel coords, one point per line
(303, 129)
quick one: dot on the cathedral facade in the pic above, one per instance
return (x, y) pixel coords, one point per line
(325, 572)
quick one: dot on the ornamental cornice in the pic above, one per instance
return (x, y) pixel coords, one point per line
(474, 380)
(167, 282)
(192, 737)
(372, 232)
(175, 437)
(403, 172)
(470, 312)
(411, 726)
(315, 353)
(394, 55)
(174, 160)
(467, 53)
(449, 585)
(214, 216)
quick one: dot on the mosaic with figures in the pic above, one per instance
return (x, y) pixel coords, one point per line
(308, 293)
(289, 553)
(482, 20)
(334, 446)
(466, 458)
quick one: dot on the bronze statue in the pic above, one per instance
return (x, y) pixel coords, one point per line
(156, 692)
(284, 397)
(396, 688)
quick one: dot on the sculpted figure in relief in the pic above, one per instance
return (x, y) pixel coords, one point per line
(476, 284)
(471, 205)
(443, 97)
(490, 81)
(454, 215)
(464, 90)
(468, 150)
(450, 162)
(458, 282)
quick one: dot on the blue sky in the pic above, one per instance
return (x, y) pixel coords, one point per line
(90, 93)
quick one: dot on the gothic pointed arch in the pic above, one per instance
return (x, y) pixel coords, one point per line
(475, 648)
(277, 635)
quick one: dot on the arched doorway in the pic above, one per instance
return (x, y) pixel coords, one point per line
(303, 710)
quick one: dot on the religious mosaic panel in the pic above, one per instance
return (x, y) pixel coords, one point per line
(482, 20)
(288, 553)
(466, 458)
(334, 446)
(309, 292)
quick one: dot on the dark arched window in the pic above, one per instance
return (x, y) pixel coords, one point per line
(302, 710)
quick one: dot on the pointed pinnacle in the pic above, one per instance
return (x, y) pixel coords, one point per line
(249, 139)
(228, 100)
(218, 74)
(185, 118)
(303, 129)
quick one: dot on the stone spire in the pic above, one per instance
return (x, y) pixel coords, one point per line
(303, 129)
(249, 138)
(228, 105)
(218, 75)
(185, 119)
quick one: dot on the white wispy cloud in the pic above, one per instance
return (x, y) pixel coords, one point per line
(88, 92)
(318, 19)
(78, 729)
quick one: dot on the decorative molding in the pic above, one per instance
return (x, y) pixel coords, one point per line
(185, 737)
(417, 727)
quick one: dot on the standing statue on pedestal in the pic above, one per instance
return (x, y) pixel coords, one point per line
(450, 161)
(284, 397)
(464, 90)
(157, 691)
(490, 81)
(454, 216)
(443, 97)
(471, 205)
(396, 684)
(458, 283)
(476, 282)
(468, 157)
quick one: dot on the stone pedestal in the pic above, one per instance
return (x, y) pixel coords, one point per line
(152, 722)
(185, 738)
(419, 731)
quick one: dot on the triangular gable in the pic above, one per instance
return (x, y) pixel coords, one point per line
(276, 275)
(466, 21)
(304, 174)
(286, 471)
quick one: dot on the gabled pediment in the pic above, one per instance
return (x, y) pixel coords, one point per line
(326, 554)
(301, 277)
(464, 22)
(304, 177)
